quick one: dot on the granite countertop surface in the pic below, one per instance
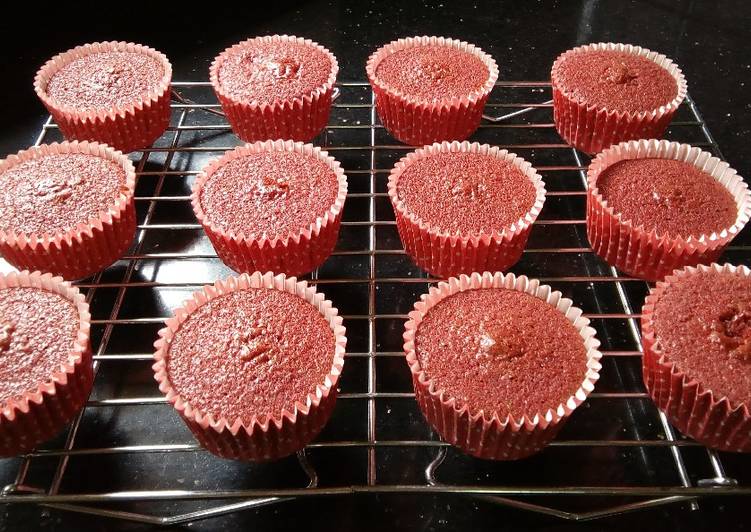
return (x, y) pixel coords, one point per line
(709, 40)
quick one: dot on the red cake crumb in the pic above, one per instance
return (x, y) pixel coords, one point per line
(268, 71)
(432, 72)
(672, 197)
(38, 329)
(251, 352)
(105, 80)
(272, 193)
(57, 191)
(702, 323)
(465, 192)
(615, 80)
(501, 351)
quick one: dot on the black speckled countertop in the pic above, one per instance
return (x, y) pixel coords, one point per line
(709, 40)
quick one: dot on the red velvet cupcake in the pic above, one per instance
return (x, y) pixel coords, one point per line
(46, 374)
(251, 364)
(656, 206)
(499, 362)
(464, 207)
(696, 329)
(607, 93)
(66, 208)
(430, 89)
(115, 93)
(275, 87)
(272, 206)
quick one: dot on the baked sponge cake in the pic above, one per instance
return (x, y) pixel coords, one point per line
(499, 362)
(115, 93)
(430, 89)
(464, 207)
(607, 93)
(275, 87)
(696, 329)
(655, 206)
(66, 208)
(251, 364)
(272, 206)
(46, 371)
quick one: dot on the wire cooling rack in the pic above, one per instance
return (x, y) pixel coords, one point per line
(129, 456)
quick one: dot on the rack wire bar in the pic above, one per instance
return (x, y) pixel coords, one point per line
(372, 281)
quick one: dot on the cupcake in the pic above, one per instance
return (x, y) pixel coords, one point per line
(46, 374)
(430, 89)
(275, 87)
(656, 206)
(696, 331)
(607, 93)
(464, 207)
(66, 208)
(251, 364)
(499, 362)
(116, 93)
(272, 206)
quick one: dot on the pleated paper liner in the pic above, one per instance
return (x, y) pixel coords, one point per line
(299, 119)
(92, 244)
(697, 411)
(126, 129)
(266, 435)
(416, 122)
(292, 254)
(485, 434)
(590, 128)
(43, 411)
(639, 251)
(443, 254)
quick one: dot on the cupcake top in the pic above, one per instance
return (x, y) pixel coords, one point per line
(250, 352)
(501, 351)
(669, 196)
(266, 71)
(465, 192)
(38, 329)
(105, 80)
(57, 191)
(614, 80)
(269, 193)
(702, 323)
(431, 72)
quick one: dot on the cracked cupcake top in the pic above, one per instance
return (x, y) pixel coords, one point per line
(702, 323)
(105, 80)
(56, 192)
(614, 80)
(251, 352)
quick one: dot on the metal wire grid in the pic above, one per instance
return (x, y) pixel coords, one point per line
(349, 136)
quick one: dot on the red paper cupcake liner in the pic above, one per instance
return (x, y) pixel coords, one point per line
(698, 412)
(293, 254)
(485, 434)
(643, 253)
(41, 412)
(417, 122)
(91, 245)
(444, 254)
(265, 436)
(125, 129)
(590, 128)
(299, 119)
